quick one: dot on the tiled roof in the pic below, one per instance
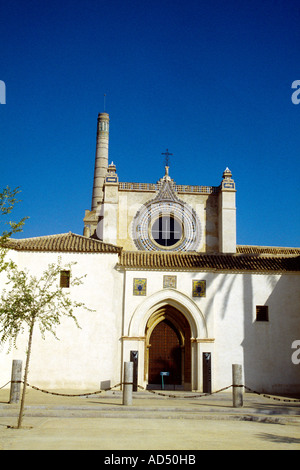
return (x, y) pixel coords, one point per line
(65, 242)
(267, 250)
(208, 262)
(247, 258)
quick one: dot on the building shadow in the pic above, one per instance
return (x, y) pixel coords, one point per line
(278, 439)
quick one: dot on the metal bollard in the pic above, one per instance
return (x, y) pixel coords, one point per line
(128, 383)
(16, 378)
(237, 388)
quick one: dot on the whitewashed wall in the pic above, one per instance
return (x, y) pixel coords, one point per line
(82, 358)
(92, 356)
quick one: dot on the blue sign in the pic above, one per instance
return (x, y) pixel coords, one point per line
(163, 374)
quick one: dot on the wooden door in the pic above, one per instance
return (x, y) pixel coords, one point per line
(165, 354)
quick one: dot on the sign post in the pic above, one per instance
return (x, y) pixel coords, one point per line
(163, 374)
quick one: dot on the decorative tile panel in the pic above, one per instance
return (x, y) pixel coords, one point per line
(199, 288)
(170, 281)
(139, 286)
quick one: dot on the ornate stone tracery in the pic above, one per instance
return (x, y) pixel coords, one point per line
(175, 221)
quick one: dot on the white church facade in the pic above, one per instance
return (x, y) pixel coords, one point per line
(169, 288)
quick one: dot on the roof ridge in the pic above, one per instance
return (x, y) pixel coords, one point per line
(269, 246)
(267, 250)
(61, 235)
(39, 236)
(64, 242)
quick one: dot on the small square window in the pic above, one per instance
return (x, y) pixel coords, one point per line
(65, 278)
(262, 313)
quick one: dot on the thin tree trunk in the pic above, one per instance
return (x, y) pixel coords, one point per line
(26, 373)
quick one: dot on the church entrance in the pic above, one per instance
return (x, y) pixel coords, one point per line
(165, 354)
(169, 350)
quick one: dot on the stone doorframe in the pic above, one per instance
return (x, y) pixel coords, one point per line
(200, 340)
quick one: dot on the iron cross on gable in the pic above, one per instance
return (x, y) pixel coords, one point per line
(167, 155)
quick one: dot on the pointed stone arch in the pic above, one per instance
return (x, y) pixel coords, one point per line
(152, 307)
(176, 299)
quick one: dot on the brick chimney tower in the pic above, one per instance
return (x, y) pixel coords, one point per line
(101, 159)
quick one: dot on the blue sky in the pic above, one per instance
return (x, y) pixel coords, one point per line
(209, 80)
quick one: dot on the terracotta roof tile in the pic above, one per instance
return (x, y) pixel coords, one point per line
(205, 261)
(65, 242)
(247, 258)
(267, 250)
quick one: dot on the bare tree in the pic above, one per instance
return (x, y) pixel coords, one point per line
(8, 200)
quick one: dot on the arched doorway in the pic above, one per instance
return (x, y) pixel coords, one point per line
(168, 340)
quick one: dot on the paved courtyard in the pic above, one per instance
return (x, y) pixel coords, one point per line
(151, 423)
